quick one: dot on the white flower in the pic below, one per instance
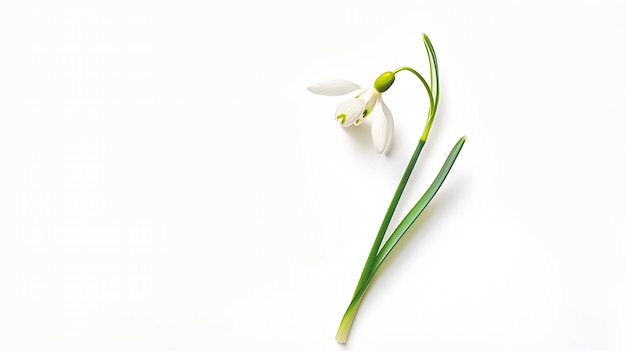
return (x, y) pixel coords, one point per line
(367, 102)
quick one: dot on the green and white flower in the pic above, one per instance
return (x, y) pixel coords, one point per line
(367, 102)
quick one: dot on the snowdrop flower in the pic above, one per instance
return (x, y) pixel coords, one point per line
(367, 102)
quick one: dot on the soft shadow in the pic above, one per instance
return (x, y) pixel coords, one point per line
(362, 134)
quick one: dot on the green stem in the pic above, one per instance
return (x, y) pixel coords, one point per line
(348, 317)
(390, 210)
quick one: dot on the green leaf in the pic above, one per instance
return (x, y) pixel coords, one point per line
(434, 68)
(410, 218)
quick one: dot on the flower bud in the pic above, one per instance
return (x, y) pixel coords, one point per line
(384, 81)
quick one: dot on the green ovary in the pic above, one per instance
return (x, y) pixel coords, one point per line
(384, 81)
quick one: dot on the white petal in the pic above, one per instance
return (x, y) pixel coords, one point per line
(350, 111)
(333, 87)
(382, 129)
(371, 96)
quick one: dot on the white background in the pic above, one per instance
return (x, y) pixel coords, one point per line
(167, 183)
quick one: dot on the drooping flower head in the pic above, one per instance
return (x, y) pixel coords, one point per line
(368, 101)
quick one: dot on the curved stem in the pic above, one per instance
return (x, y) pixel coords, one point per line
(421, 78)
(433, 100)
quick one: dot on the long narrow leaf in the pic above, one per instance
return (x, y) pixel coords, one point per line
(419, 206)
(408, 221)
(434, 66)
